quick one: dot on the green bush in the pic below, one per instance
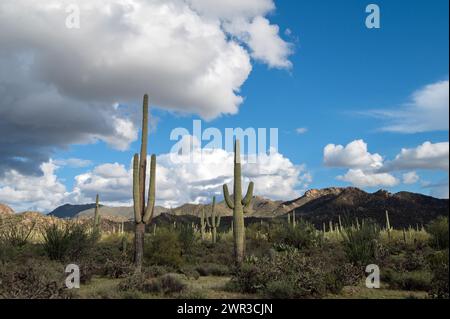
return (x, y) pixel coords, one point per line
(410, 281)
(70, 241)
(186, 236)
(291, 275)
(439, 267)
(438, 229)
(117, 268)
(211, 269)
(190, 272)
(303, 236)
(361, 244)
(164, 249)
(166, 284)
(33, 279)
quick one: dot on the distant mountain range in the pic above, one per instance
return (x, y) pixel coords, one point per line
(70, 211)
(316, 206)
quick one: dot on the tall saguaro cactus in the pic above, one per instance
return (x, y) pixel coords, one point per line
(238, 205)
(215, 220)
(97, 214)
(143, 212)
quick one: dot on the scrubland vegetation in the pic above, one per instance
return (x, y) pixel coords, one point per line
(282, 261)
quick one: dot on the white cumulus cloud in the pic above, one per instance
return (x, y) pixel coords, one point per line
(61, 86)
(41, 193)
(361, 178)
(433, 156)
(196, 181)
(410, 178)
(427, 110)
(353, 155)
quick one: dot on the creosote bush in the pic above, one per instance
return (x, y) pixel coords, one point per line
(33, 279)
(167, 284)
(164, 249)
(291, 275)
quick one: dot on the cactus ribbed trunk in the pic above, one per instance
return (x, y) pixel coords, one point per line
(238, 204)
(97, 214)
(215, 221)
(139, 246)
(143, 213)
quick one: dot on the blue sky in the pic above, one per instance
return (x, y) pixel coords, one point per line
(341, 71)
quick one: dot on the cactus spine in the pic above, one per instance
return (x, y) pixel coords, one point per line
(238, 205)
(97, 214)
(215, 221)
(143, 213)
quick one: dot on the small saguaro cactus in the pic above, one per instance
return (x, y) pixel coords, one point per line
(203, 222)
(388, 222)
(238, 205)
(143, 212)
(97, 214)
(215, 220)
(388, 225)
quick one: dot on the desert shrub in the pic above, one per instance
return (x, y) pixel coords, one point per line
(186, 236)
(15, 233)
(134, 282)
(211, 269)
(190, 272)
(164, 249)
(156, 270)
(117, 268)
(34, 279)
(303, 236)
(438, 229)
(206, 252)
(280, 289)
(415, 280)
(194, 294)
(166, 284)
(67, 242)
(289, 275)
(439, 267)
(361, 244)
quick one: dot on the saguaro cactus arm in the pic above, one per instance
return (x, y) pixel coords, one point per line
(136, 190)
(227, 197)
(208, 223)
(150, 210)
(248, 197)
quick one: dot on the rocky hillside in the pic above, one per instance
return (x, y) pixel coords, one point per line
(318, 206)
(5, 210)
(405, 209)
(261, 207)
